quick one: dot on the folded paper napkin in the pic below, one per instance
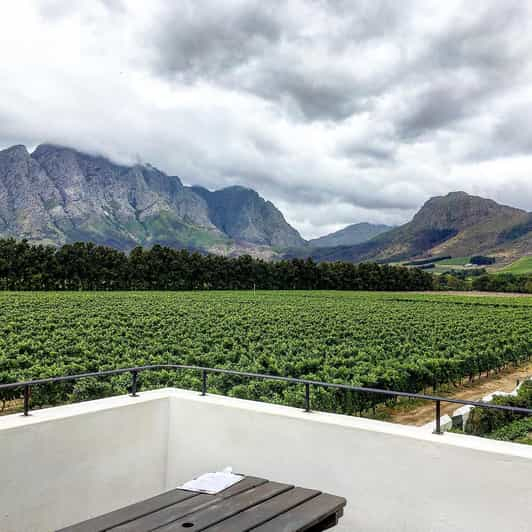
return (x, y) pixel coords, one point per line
(212, 483)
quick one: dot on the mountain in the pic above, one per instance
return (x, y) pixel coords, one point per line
(57, 195)
(456, 224)
(350, 235)
(243, 215)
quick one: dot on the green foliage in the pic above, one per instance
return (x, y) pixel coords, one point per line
(481, 260)
(166, 227)
(393, 340)
(84, 266)
(484, 421)
(431, 260)
(455, 261)
(503, 282)
(450, 281)
(518, 430)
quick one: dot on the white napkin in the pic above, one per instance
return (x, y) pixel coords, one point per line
(212, 483)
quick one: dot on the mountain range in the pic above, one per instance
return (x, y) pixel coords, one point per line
(350, 235)
(57, 195)
(456, 225)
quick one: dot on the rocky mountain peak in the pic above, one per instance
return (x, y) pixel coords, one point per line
(46, 148)
(15, 152)
(244, 215)
(458, 210)
(59, 194)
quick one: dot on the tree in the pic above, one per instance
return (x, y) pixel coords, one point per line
(85, 266)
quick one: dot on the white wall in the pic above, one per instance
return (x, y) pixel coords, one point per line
(63, 465)
(69, 463)
(395, 478)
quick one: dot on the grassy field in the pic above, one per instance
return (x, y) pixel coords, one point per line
(519, 267)
(391, 340)
(445, 266)
(455, 261)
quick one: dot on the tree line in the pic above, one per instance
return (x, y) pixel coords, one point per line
(86, 266)
(482, 281)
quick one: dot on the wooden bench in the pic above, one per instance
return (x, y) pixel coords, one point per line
(251, 504)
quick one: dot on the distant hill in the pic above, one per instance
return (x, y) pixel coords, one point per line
(58, 195)
(456, 225)
(350, 235)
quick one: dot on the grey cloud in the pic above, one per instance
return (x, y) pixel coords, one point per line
(201, 39)
(267, 145)
(376, 151)
(369, 18)
(488, 42)
(362, 193)
(513, 134)
(54, 9)
(328, 97)
(263, 48)
(330, 108)
(435, 108)
(470, 61)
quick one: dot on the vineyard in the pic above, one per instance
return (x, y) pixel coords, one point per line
(402, 341)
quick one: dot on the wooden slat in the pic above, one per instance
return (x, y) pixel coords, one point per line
(226, 508)
(306, 515)
(246, 483)
(166, 515)
(251, 504)
(133, 511)
(257, 515)
(176, 511)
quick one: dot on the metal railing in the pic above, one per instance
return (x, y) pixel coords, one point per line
(134, 371)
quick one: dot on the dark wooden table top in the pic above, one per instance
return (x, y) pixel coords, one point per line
(251, 504)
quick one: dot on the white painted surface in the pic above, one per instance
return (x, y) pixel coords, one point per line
(63, 465)
(69, 463)
(446, 423)
(461, 415)
(395, 478)
(489, 398)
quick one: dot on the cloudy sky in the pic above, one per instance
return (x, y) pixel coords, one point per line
(338, 111)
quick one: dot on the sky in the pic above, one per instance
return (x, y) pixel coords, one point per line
(338, 111)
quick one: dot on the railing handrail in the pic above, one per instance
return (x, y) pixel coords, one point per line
(26, 385)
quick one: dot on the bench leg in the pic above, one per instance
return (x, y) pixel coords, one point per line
(327, 522)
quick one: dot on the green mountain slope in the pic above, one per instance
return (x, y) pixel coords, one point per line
(520, 266)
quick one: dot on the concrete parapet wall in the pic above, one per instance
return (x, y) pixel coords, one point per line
(65, 464)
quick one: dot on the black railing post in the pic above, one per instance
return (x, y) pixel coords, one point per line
(204, 382)
(26, 400)
(134, 380)
(307, 397)
(438, 418)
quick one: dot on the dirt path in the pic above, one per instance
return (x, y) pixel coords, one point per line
(12, 407)
(423, 413)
